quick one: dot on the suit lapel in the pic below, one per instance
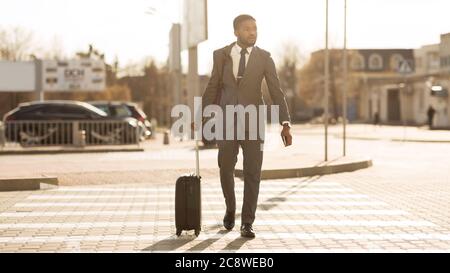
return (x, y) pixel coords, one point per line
(228, 62)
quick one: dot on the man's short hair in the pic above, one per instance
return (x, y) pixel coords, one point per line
(241, 18)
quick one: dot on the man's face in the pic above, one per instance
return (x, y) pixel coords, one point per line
(246, 33)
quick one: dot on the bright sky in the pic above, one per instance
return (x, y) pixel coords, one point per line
(122, 28)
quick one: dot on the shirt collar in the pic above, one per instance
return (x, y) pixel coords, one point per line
(238, 49)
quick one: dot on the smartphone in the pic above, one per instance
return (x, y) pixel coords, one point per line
(284, 140)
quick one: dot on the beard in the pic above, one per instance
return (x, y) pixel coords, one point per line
(248, 42)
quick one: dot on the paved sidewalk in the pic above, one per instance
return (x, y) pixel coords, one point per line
(160, 163)
(294, 215)
(398, 205)
(382, 132)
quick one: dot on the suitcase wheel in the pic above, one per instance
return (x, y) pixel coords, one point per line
(178, 232)
(197, 232)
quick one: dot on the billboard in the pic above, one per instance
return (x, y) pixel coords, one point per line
(17, 76)
(195, 23)
(73, 75)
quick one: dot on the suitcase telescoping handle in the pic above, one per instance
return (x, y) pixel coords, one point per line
(197, 160)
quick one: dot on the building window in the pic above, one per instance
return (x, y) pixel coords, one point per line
(375, 61)
(445, 61)
(357, 62)
(395, 61)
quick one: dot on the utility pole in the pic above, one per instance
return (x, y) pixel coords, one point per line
(344, 92)
(327, 76)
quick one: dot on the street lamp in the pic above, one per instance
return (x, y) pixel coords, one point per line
(327, 71)
(344, 92)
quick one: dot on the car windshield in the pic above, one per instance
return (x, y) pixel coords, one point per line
(96, 110)
(122, 111)
(103, 107)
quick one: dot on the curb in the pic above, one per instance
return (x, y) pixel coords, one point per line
(311, 171)
(395, 139)
(69, 151)
(419, 140)
(26, 184)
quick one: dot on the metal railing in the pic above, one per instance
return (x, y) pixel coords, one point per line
(32, 133)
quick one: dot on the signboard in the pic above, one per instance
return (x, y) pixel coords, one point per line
(73, 75)
(17, 76)
(195, 23)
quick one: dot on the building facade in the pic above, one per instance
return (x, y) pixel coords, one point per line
(398, 85)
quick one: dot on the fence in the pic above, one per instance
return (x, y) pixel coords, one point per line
(32, 133)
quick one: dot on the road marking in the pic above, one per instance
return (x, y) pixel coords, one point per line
(231, 235)
(263, 188)
(108, 196)
(141, 190)
(372, 223)
(205, 202)
(204, 212)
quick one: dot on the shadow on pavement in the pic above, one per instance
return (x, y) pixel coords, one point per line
(328, 162)
(281, 197)
(207, 242)
(236, 244)
(170, 243)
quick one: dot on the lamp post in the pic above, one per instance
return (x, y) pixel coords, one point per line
(344, 92)
(327, 71)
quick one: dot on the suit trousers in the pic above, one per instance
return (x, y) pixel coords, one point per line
(227, 158)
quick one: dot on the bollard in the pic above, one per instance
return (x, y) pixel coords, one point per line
(166, 138)
(2, 135)
(75, 135)
(82, 138)
(154, 125)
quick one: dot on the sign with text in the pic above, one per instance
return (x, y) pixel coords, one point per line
(73, 75)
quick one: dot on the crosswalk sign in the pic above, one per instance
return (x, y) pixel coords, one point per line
(404, 67)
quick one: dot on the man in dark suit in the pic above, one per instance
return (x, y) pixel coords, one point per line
(238, 71)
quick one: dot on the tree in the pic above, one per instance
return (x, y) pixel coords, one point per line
(16, 44)
(312, 78)
(288, 69)
(55, 51)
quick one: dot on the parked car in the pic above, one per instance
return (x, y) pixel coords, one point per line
(51, 123)
(126, 109)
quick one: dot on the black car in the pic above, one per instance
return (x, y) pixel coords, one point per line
(120, 109)
(51, 123)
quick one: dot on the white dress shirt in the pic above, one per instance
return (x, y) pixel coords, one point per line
(236, 57)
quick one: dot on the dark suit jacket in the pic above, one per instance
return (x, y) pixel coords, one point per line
(248, 92)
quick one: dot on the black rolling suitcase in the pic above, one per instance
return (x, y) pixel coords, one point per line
(188, 200)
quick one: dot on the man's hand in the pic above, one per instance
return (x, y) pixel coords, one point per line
(195, 126)
(286, 134)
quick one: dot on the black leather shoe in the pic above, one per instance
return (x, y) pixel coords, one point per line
(228, 220)
(247, 231)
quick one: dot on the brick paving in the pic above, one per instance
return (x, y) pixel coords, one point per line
(398, 205)
(140, 218)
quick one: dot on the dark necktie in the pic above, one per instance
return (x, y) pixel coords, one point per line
(241, 70)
